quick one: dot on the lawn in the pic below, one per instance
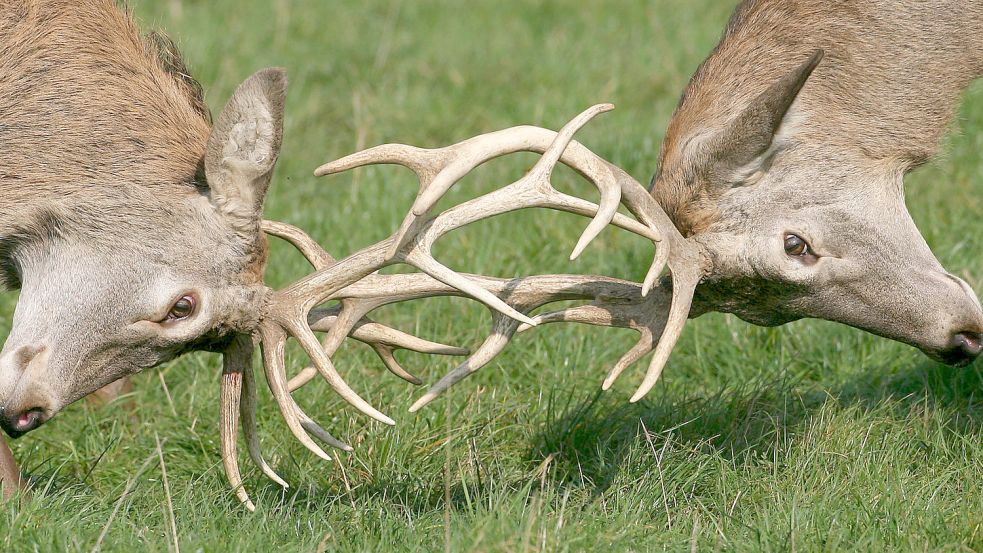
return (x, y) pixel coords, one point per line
(812, 436)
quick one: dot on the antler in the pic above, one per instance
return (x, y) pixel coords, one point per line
(353, 282)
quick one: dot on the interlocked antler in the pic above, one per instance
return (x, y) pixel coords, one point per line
(352, 281)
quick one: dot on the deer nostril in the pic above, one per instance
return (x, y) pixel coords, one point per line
(964, 348)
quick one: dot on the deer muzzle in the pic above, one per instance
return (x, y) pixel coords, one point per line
(26, 401)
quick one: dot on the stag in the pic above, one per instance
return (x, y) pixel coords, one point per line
(105, 215)
(785, 161)
(752, 242)
(134, 231)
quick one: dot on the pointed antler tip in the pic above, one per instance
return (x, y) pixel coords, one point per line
(640, 393)
(422, 402)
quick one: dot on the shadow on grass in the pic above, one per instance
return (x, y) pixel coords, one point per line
(588, 440)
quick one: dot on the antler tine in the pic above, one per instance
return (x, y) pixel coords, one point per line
(418, 160)
(273, 341)
(247, 413)
(385, 353)
(423, 260)
(610, 195)
(373, 333)
(382, 339)
(503, 328)
(641, 348)
(315, 254)
(347, 316)
(682, 299)
(320, 433)
(234, 359)
(309, 342)
(641, 317)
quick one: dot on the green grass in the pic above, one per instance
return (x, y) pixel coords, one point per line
(807, 437)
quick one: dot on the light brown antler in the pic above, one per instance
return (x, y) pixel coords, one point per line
(354, 284)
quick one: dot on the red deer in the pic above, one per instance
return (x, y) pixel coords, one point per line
(760, 180)
(786, 156)
(125, 256)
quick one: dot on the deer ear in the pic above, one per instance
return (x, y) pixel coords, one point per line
(742, 146)
(243, 147)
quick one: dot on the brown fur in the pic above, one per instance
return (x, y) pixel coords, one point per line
(886, 90)
(122, 124)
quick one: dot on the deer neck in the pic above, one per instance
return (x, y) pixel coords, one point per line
(884, 93)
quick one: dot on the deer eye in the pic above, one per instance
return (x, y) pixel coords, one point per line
(796, 246)
(183, 308)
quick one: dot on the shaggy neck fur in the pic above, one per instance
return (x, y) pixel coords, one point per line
(882, 96)
(102, 132)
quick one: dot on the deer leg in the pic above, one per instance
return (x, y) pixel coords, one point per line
(10, 478)
(111, 391)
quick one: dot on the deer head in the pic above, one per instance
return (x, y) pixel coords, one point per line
(798, 223)
(113, 285)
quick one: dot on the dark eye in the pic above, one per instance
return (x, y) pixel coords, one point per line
(182, 309)
(796, 246)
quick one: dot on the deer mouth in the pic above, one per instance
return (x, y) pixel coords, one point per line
(964, 348)
(18, 424)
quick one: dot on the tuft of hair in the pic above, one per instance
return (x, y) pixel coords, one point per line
(166, 51)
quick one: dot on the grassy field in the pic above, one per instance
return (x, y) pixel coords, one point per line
(807, 437)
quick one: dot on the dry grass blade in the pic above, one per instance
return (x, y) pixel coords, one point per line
(172, 522)
(119, 502)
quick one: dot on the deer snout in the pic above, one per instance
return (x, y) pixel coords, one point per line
(26, 402)
(965, 343)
